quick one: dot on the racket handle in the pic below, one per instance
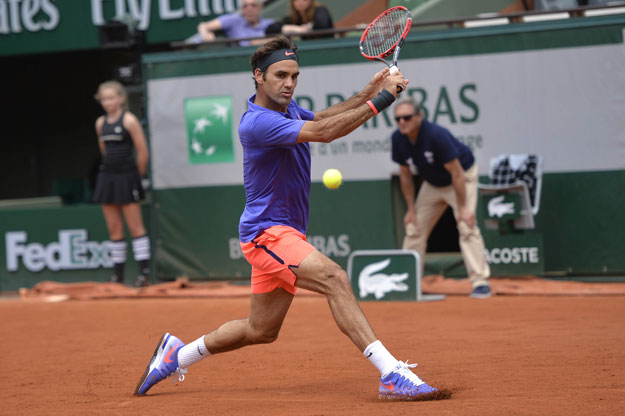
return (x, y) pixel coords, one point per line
(394, 69)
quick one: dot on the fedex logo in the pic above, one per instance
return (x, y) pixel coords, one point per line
(72, 251)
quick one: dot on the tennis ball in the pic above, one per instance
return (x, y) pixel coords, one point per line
(332, 178)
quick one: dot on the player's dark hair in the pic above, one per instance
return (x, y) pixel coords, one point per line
(274, 44)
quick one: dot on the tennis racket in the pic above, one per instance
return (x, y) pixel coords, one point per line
(385, 35)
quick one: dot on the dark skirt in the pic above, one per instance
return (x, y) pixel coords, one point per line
(118, 188)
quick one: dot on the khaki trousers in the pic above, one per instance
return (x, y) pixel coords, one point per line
(432, 201)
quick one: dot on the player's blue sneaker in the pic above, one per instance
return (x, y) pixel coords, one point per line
(402, 384)
(164, 363)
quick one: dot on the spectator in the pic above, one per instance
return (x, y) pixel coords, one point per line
(304, 16)
(449, 174)
(245, 24)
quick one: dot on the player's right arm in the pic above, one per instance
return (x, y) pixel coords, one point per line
(338, 125)
(98, 130)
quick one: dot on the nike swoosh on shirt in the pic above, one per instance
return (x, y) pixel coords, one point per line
(167, 358)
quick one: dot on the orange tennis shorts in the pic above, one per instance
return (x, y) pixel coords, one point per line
(272, 254)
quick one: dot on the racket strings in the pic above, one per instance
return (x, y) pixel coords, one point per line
(384, 33)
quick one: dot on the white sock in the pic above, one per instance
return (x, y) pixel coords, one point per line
(141, 248)
(118, 251)
(192, 353)
(379, 356)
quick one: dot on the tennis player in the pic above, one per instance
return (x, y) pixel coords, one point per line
(275, 133)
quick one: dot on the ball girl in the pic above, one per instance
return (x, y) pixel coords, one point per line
(118, 187)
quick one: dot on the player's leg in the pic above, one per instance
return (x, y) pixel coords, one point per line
(140, 241)
(172, 357)
(117, 247)
(320, 274)
(429, 207)
(267, 313)
(470, 238)
(270, 255)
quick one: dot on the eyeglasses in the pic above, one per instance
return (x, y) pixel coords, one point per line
(405, 118)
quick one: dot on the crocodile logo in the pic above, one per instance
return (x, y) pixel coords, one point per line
(370, 281)
(498, 208)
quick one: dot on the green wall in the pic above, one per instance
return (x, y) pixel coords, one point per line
(196, 229)
(582, 221)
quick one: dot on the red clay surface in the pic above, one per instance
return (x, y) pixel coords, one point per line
(508, 355)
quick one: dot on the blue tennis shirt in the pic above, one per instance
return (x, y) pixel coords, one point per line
(276, 169)
(435, 146)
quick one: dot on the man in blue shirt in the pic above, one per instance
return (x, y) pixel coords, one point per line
(450, 176)
(247, 23)
(275, 133)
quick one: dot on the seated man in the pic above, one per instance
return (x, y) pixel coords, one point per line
(245, 24)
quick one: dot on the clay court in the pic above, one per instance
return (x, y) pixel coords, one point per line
(508, 355)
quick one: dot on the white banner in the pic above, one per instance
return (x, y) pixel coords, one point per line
(564, 104)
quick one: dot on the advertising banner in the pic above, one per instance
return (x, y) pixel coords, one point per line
(385, 275)
(515, 253)
(495, 103)
(67, 244)
(63, 244)
(50, 26)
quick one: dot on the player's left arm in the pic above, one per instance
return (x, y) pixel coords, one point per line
(459, 183)
(371, 90)
(132, 124)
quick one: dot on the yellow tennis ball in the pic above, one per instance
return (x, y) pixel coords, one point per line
(332, 178)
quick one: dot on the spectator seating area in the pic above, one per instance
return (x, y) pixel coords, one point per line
(351, 16)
